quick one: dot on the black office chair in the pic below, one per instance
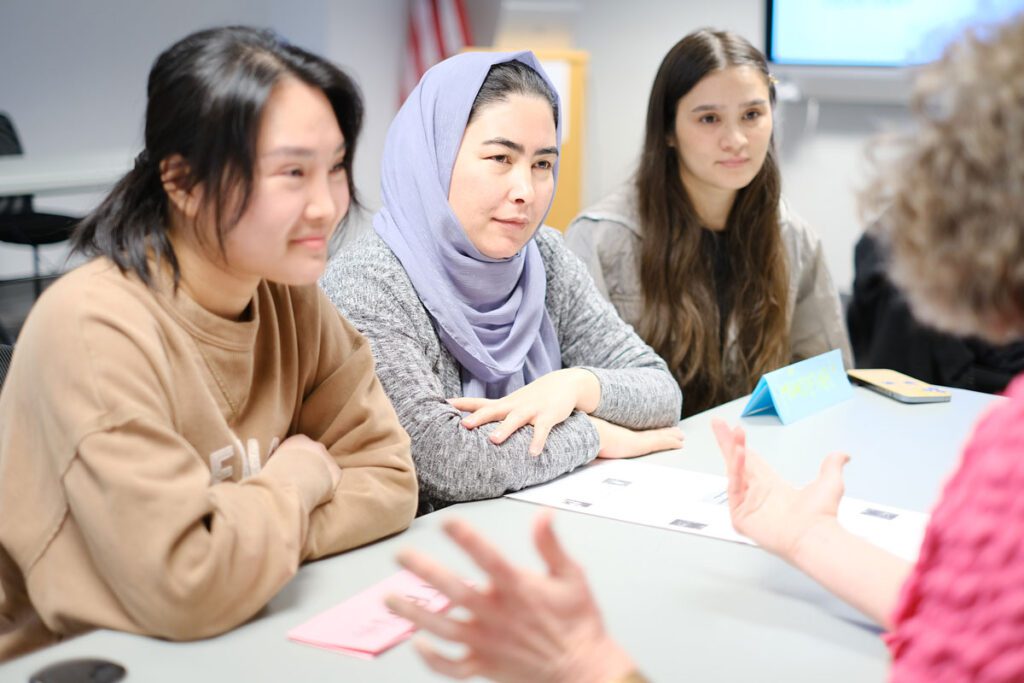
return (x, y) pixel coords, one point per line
(20, 223)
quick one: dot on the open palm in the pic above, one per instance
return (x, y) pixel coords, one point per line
(766, 508)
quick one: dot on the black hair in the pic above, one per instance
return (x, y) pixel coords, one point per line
(512, 78)
(205, 96)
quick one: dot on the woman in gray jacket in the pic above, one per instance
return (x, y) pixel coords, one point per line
(699, 253)
(504, 363)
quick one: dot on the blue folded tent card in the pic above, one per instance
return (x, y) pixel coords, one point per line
(800, 389)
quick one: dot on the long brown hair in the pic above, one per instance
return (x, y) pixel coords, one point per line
(680, 317)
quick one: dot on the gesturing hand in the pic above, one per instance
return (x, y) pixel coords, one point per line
(766, 508)
(543, 403)
(523, 626)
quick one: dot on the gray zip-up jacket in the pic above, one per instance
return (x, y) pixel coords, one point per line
(370, 287)
(607, 237)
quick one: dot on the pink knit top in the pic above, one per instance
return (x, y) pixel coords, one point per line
(960, 615)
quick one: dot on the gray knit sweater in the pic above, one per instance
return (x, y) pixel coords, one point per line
(369, 286)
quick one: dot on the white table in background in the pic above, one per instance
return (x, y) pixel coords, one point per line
(66, 174)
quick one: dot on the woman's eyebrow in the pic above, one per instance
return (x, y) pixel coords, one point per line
(296, 151)
(519, 149)
(714, 107)
(505, 142)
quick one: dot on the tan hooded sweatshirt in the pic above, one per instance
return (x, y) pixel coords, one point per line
(141, 484)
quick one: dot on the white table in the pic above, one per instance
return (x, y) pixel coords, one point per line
(74, 173)
(687, 608)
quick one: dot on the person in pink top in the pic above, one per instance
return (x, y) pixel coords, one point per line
(953, 207)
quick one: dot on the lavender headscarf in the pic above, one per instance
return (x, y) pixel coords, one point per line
(489, 313)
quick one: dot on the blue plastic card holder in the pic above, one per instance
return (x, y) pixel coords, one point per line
(800, 389)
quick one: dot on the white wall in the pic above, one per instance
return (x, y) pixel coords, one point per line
(627, 41)
(79, 85)
(821, 168)
(80, 77)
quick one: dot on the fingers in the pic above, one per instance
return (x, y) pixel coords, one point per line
(332, 466)
(440, 578)
(558, 562)
(541, 428)
(483, 553)
(438, 624)
(487, 410)
(739, 435)
(665, 439)
(514, 420)
(732, 442)
(831, 471)
(725, 437)
(490, 412)
(647, 441)
(833, 464)
(468, 404)
(453, 668)
(737, 473)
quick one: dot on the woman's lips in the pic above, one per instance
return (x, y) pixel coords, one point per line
(513, 222)
(313, 241)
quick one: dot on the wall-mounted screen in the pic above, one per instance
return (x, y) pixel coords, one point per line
(893, 33)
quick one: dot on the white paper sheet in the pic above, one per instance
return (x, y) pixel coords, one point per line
(680, 500)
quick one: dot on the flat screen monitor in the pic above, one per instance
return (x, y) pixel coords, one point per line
(874, 33)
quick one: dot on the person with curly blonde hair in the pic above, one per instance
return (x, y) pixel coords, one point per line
(955, 223)
(955, 200)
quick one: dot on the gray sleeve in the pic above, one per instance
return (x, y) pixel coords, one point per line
(581, 238)
(637, 390)
(453, 463)
(817, 324)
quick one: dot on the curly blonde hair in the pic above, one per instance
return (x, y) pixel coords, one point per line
(952, 204)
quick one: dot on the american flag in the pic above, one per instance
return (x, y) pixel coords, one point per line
(437, 29)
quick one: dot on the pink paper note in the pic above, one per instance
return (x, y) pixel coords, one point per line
(363, 626)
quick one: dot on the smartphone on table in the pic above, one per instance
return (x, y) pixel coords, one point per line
(899, 386)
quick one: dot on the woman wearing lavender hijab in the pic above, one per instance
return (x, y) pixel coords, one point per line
(505, 365)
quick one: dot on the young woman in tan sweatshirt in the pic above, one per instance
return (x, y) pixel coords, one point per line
(187, 418)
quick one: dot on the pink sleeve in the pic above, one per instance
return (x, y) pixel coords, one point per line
(960, 615)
